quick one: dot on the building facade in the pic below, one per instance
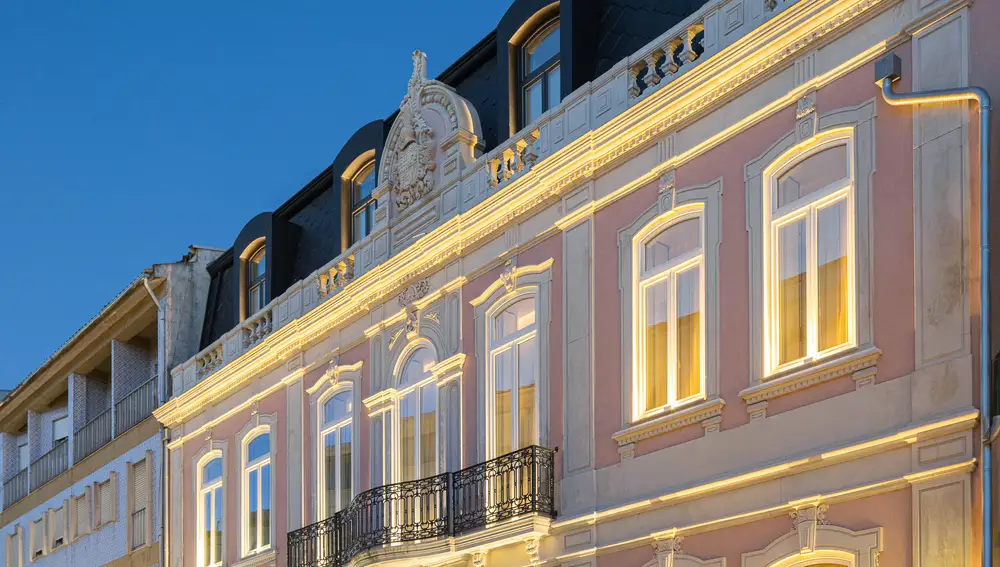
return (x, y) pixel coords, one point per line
(80, 450)
(624, 286)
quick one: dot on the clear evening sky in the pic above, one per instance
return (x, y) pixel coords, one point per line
(129, 130)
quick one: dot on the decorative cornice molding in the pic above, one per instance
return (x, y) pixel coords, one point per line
(817, 374)
(669, 422)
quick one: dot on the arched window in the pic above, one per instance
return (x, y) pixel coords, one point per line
(210, 505)
(513, 375)
(670, 359)
(256, 280)
(257, 493)
(409, 431)
(336, 436)
(363, 205)
(539, 77)
(809, 255)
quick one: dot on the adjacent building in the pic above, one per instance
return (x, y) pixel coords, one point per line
(629, 284)
(80, 450)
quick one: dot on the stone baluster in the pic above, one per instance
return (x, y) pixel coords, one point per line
(688, 54)
(634, 90)
(670, 66)
(652, 77)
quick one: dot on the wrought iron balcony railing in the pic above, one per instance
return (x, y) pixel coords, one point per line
(516, 484)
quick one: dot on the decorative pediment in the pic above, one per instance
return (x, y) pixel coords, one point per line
(436, 134)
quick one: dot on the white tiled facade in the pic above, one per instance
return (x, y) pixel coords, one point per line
(103, 545)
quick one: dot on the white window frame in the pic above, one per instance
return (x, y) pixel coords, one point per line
(53, 535)
(130, 504)
(200, 490)
(105, 489)
(245, 470)
(325, 429)
(392, 439)
(669, 272)
(515, 283)
(497, 347)
(807, 208)
(74, 502)
(338, 377)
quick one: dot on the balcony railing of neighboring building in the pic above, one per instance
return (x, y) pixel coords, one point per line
(15, 488)
(136, 406)
(95, 434)
(49, 465)
(516, 484)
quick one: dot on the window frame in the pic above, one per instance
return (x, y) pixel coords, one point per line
(15, 547)
(668, 272)
(367, 205)
(65, 439)
(201, 489)
(246, 468)
(51, 533)
(40, 526)
(392, 439)
(74, 516)
(527, 78)
(252, 286)
(109, 488)
(325, 428)
(148, 505)
(807, 208)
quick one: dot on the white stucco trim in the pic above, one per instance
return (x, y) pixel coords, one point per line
(258, 425)
(337, 378)
(813, 542)
(211, 449)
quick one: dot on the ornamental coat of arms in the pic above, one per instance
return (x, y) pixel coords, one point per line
(411, 175)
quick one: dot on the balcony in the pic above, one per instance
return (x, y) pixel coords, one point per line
(15, 488)
(49, 465)
(517, 484)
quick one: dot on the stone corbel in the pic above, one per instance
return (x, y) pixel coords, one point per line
(531, 548)
(806, 123)
(478, 558)
(805, 521)
(509, 275)
(667, 549)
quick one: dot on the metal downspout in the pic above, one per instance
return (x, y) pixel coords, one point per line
(888, 70)
(161, 328)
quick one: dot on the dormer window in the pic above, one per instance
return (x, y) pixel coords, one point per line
(539, 76)
(362, 203)
(256, 273)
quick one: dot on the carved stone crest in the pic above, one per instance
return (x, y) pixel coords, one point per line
(411, 175)
(413, 292)
(509, 275)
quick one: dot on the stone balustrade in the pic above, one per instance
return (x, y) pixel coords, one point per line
(516, 156)
(667, 58)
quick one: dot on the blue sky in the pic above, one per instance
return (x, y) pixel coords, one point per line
(129, 130)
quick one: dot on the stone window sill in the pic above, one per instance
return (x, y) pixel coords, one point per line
(860, 363)
(670, 421)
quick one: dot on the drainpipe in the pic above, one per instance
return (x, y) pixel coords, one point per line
(161, 327)
(888, 70)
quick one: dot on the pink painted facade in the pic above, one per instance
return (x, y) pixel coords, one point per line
(867, 454)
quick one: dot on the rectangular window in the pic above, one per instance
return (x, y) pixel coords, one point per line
(80, 509)
(60, 430)
(23, 455)
(139, 491)
(105, 503)
(38, 538)
(14, 554)
(810, 303)
(57, 527)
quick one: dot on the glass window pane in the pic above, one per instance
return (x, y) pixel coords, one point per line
(265, 506)
(689, 333)
(543, 47)
(791, 292)
(330, 470)
(345, 466)
(212, 470)
(832, 274)
(259, 447)
(407, 437)
(527, 365)
(364, 183)
(338, 408)
(555, 93)
(359, 226)
(656, 345)
(207, 536)
(252, 510)
(675, 241)
(532, 102)
(258, 264)
(812, 174)
(418, 367)
(503, 368)
(428, 430)
(60, 430)
(378, 458)
(515, 317)
(217, 542)
(23, 455)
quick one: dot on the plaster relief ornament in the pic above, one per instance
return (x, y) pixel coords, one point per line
(412, 174)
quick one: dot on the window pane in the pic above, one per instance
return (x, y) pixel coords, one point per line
(212, 470)
(792, 291)
(689, 333)
(256, 299)
(265, 506)
(503, 426)
(418, 367)
(252, 510)
(543, 48)
(832, 274)
(407, 437)
(656, 345)
(516, 317)
(555, 93)
(330, 470)
(428, 430)
(378, 459)
(23, 455)
(259, 447)
(345, 466)
(217, 502)
(527, 364)
(364, 183)
(60, 430)
(812, 174)
(675, 241)
(533, 102)
(338, 408)
(207, 536)
(258, 264)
